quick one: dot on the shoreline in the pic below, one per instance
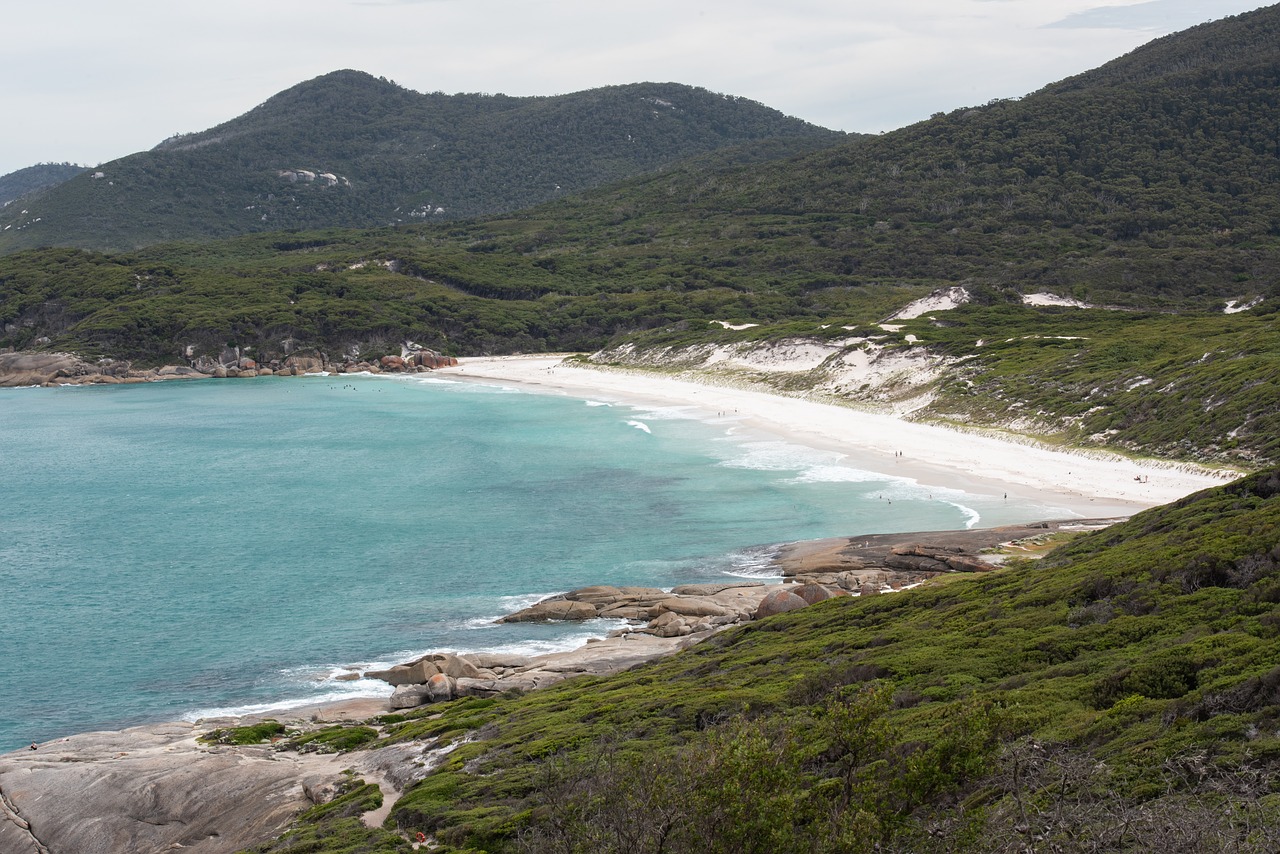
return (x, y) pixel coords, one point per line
(1085, 483)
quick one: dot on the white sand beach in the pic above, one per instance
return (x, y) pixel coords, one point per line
(1085, 483)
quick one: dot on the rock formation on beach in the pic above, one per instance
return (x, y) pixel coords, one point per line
(812, 571)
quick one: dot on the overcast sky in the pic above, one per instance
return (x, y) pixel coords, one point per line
(88, 81)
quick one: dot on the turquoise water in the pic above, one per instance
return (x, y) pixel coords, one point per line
(185, 549)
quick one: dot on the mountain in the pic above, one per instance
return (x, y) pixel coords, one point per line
(1148, 180)
(351, 150)
(32, 179)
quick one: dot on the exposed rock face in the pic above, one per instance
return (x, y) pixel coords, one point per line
(24, 369)
(149, 789)
(736, 600)
(877, 563)
(554, 609)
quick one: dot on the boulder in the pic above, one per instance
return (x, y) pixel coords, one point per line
(812, 593)
(441, 688)
(410, 696)
(779, 601)
(422, 670)
(478, 687)
(455, 666)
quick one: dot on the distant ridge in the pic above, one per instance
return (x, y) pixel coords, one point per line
(33, 179)
(351, 150)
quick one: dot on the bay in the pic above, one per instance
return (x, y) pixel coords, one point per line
(178, 550)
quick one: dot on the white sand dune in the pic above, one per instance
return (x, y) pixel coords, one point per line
(1086, 483)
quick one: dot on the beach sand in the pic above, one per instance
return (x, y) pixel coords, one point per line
(1081, 483)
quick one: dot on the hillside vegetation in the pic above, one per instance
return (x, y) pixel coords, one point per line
(42, 176)
(1122, 694)
(351, 150)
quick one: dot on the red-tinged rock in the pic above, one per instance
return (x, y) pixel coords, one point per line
(779, 601)
(813, 593)
(441, 688)
(391, 363)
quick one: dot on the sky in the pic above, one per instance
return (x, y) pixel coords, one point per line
(88, 82)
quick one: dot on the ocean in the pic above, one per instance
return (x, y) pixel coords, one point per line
(189, 549)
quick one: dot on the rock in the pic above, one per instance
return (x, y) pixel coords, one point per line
(411, 696)
(915, 563)
(553, 609)
(391, 363)
(455, 666)
(431, 359)
(779, 601)
(626, 612)
(406, 674)
(321, 790)
(178, 371)
(478, 687)
(689, 606)
(812, 593)
(968, 563)
(713, 589)
(220, 372)
(305, 364)
(153, 789)
(674, 627)
(490, 660)
(25, 369)
(441, 688)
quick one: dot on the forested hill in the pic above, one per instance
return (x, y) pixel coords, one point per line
(1152, 178)
(15, 185)
(351, 150)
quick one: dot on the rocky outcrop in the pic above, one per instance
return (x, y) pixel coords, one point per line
(879, 563)
(28, 369)
(54, 369)
(150, 789)
(662, 621)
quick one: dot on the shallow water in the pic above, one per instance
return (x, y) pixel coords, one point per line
(186, 549)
